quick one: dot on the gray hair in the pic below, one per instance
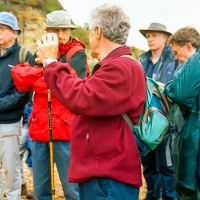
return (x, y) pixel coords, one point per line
(114, 23)
(185, 35)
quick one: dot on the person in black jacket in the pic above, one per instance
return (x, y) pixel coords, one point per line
(12, 105)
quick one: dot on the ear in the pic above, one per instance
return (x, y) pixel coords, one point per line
(15, 34)
(189, 46)
(98, 32)
(166, 37)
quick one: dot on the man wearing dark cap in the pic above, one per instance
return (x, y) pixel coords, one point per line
(159, 64)
(12, 104)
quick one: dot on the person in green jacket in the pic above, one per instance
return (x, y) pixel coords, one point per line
(184, 90)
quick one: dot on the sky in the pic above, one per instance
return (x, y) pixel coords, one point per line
(174, 14)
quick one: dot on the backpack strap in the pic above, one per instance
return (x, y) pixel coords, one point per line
(129, 56)
(22, 54)
(124, 115)
(72, 51)
(128, 120)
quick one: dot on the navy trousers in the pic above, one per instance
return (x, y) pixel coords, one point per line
(107, 189)
(159, 173)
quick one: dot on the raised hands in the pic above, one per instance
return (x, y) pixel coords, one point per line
(47, 47)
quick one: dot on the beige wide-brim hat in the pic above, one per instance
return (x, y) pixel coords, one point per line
(59, 19)
(157, 27)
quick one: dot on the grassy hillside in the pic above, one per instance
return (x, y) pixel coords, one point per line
(31, 16)
(44, 6)
(83, 34)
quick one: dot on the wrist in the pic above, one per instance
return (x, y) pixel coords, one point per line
(48, 61)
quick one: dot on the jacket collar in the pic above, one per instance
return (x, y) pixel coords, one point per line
(10, 49)
(147, 55)
(118, 52)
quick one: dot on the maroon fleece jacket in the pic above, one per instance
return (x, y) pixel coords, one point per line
(102, 144)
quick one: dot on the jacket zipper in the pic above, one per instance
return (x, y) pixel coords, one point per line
(89, 145)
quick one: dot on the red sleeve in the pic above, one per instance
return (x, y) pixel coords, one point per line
(24, 76)
(108, 88)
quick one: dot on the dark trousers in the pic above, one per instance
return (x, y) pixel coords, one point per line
(158, 175)
(107, 189)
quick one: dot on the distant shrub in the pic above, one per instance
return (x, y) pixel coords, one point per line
(1, 7)
(136, 52)
(48, 6)
(83, 35)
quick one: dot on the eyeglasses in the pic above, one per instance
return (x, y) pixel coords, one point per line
(3, 29)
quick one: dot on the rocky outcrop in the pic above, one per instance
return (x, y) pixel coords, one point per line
(31, 16)
(32, 24)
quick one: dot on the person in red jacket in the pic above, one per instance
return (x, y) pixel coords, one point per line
(28, 78)
(104, 156)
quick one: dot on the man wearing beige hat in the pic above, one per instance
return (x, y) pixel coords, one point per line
(159, 64)
(72, 52)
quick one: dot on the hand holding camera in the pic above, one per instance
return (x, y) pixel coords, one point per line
(47, 48)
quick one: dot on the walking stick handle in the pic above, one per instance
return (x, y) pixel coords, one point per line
(51, 153)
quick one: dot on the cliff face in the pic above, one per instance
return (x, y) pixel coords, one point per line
(31, 16)
(32, 24)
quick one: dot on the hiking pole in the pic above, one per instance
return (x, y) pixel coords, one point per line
(51, 145)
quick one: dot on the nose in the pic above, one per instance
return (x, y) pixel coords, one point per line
(60, 33)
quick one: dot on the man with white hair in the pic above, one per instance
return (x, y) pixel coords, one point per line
(104, 155)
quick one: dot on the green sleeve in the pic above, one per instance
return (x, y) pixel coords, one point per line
(183, 89)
